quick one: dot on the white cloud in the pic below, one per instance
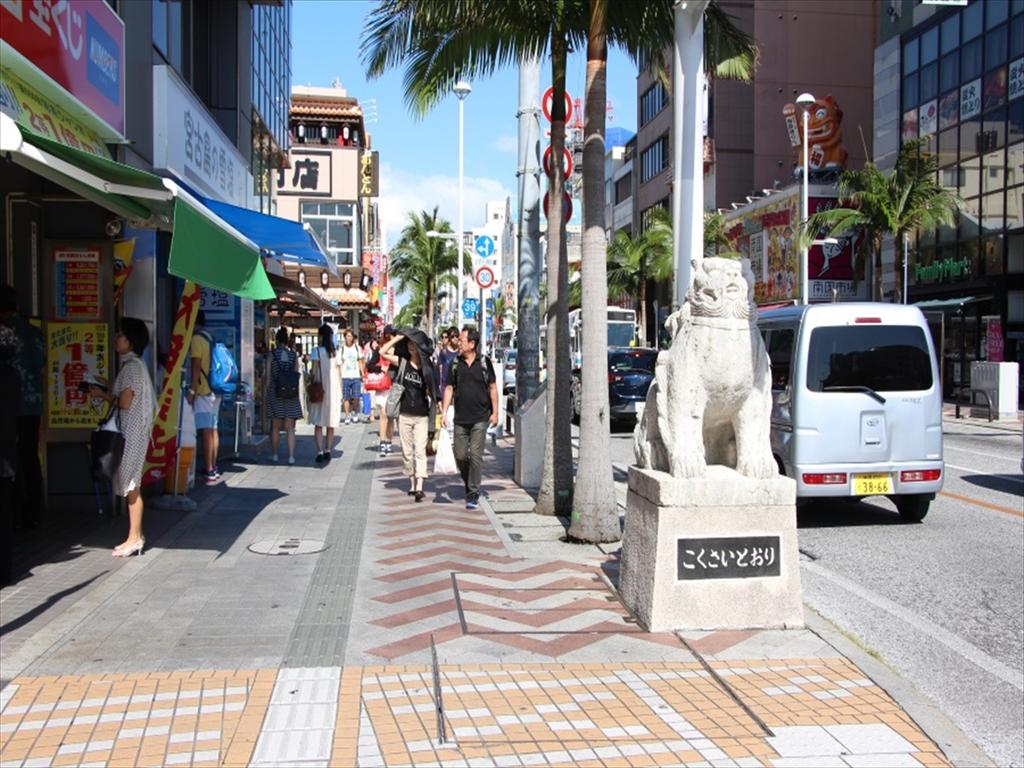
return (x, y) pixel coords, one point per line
(402, 191)
(506, 144)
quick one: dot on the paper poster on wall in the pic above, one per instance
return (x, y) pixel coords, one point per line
(949, 109)
(73, 351)
(757, 256)
(1016, 78)
(76, 284)
(928, 117)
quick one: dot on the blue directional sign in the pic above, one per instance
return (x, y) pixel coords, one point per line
(484, 246)
(470, 307)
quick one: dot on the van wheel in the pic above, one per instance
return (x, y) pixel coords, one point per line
(912, 508)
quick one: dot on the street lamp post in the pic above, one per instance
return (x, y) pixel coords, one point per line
(460, 252)
(805, 101)
(462, 89)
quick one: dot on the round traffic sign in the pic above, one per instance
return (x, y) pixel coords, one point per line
(566, 163)
(485, 277)
(545, 104)
(484, 246)
(566, 207)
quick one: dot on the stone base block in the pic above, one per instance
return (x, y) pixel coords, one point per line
(719, 552)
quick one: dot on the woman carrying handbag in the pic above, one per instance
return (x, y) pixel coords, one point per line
(325, 414)
(133, 404)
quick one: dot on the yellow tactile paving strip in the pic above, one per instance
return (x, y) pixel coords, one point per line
(518, 714)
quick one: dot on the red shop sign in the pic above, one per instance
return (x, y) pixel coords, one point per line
(77, 43)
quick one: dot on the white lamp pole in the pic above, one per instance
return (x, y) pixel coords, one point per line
(805, 101)
(462, 90)
(906, 284)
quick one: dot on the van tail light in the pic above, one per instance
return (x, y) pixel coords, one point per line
(920, 475)
(828, 478)
(613, 378)
(868, 320)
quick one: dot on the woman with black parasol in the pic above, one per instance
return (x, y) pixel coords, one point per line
(411, 350)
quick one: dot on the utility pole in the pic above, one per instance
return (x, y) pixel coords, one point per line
(528, 309)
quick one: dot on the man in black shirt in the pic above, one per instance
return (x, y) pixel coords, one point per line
(471, 383)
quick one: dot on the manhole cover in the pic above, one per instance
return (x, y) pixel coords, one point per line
(287, 546)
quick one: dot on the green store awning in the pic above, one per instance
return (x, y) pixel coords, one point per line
(204, 248)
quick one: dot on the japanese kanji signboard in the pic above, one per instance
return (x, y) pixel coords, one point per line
(72, 351)
(369, 175)
(310, 174)
(76, 284)
(733, 557)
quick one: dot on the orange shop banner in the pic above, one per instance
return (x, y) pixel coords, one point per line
(74, 350)
(163, 444)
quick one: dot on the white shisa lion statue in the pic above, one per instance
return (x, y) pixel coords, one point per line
(711, 401)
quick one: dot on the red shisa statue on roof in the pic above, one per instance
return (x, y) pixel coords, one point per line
(824, 135)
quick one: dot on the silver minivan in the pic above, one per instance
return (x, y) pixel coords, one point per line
(857, 402)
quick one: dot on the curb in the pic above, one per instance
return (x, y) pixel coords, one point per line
(954, 743)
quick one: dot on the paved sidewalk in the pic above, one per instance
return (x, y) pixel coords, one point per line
(203, 652)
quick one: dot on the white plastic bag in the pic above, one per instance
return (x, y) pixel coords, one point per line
(444, 459)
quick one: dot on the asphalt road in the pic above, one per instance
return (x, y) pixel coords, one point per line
(940, 602)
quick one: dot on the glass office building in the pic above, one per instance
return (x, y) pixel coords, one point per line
(957, 75)
(271, 94)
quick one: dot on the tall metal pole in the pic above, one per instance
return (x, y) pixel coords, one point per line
(530, 265)
(804, 215)
(462, 90)
(906, 285)
(687, 144)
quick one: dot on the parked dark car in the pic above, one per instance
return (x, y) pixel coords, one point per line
(630, 373)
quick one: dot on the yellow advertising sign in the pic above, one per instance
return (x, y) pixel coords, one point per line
(123, 252)
(163, 444)
(72, 351)
(26, 106)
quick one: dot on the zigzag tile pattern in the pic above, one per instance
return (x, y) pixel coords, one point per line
(434, 569)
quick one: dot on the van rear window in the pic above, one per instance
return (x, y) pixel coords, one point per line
(884, 358)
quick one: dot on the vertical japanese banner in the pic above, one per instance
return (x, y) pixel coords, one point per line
(123, 252)
(74, 350)
(163, 445)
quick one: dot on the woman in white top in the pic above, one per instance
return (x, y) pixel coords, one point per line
(326, 414)
(133, 395)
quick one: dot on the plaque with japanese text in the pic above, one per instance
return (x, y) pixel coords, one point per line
(76, 284)
(310, 174)
(732, 557)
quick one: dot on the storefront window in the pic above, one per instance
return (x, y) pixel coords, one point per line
(996, 12)
(1017, 37)
(1015, 254)
(1014, 200)
(949, 72)
(910, 91)
(970, 185)
(969, 216)
(970, 60)
(970, 134)
(910, 56)
(951, 34)
(971, 18)
(993, 130)
(995, 47)
(335, 226)
(993, 171)
(992, 213)
(992, 250)
(968, 252)
(929, 85)
(947, 147)
(930, 46)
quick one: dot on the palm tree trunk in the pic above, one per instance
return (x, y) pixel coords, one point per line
(595, 512)
(555, 494)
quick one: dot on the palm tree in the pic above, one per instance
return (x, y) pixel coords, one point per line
(443, 41)
(503, 311)
(907, 199)
(411, 312)
(646, 27)
(423, 263)
(714, 232)
(634, 260)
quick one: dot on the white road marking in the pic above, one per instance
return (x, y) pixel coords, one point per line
(1011, 478)
(1002, 456)
(955, 643)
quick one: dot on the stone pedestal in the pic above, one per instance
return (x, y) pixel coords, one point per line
(719, 552)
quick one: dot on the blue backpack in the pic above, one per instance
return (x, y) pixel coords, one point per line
(223, 374)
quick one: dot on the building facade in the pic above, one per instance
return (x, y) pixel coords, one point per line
(953, 76)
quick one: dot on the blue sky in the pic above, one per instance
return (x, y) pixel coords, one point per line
(419, 158)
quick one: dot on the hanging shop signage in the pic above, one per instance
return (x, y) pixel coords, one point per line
(76, 284)
(218, 306)
(163, 444)
(1016, 77)
(369, 175)
(311, 173)
(970, 99)
(189, 143)
(77, 44)
(30, 108)
(73, 352)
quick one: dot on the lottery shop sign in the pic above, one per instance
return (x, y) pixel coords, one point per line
(72, 351)
(79, 44)
(76, 284)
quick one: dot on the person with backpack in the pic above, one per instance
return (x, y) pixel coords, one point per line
(325, 399)
(205, 393)
(283, 395)
(471, 385)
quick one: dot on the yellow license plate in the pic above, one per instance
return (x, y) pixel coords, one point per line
(869, 485)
